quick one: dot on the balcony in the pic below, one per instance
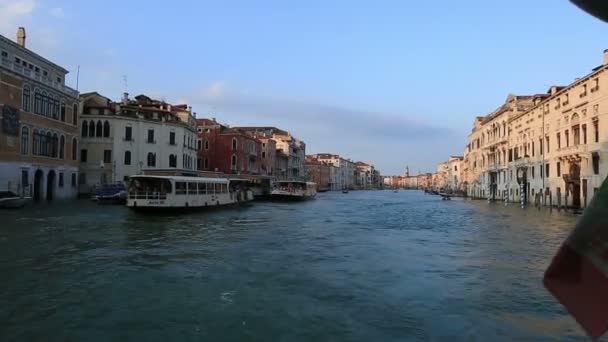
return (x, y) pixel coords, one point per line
(37, 77)
(573, 151)
(522, 161)
(496, 141)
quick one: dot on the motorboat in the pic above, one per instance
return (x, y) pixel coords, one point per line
(293, 190)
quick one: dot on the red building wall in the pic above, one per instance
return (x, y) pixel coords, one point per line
(218, 150)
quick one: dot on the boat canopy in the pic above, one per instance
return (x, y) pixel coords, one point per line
(182, 179)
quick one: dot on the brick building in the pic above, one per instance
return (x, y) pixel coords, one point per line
(228, 150)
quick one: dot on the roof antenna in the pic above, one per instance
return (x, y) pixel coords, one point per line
(124, 79)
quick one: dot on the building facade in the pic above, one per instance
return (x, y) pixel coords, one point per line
(318, 172)
(548, 149)
(228, 150)
(39, 118)
(120, 139)
(345, 173)
(286, 146)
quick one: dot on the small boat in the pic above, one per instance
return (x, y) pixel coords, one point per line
(445, 196)
(344, 191)
(293, 190)
(10, 200)
(114, 193)
(171, 193)
(395, 191)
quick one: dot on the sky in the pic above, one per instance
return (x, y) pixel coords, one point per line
(393, 83)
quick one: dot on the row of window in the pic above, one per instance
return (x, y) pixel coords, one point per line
(46, 104)
(187, 161)
(45, 143)
(33, 67)
(576, 132)
(91, 129)
(193, 188)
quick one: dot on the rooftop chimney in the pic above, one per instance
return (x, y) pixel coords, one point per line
(125, 98)
(21, 37)
(606, 57)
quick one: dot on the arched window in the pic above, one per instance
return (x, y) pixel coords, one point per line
(61, 147)
(41, 143)
(233, 165)
(151, 159)
(127, 157)
(45, 104)
(37, 102)
(49, 144)
(61, 113)
(91, 128)
(35, 142)
(234, 144)
(62, 110)
(54, 104)
(74, 148)
(198, 145)
(98, 129)
(25, 140)
(85, 129)
(172, 160)
(26, 98)
(55, 146)
(74, 114)
(206, 164)
(106, 129)
(207, 144)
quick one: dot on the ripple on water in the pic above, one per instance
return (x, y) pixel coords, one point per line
(373, 266)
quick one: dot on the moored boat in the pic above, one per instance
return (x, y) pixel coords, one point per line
(293, 190)
(114, 193)
(157, 193)
(10, 200)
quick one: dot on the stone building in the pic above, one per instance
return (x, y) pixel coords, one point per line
(363, 175)
(345, 173)
(455, 173)
(425, 180)
(39, 119)
(318, 172)
(120, 139)
(551, 147)
(269, 155)
(287, 146)
(485, 158)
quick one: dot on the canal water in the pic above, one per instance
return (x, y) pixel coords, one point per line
(363, 266)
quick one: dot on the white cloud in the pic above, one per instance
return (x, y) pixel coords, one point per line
(57, 12)
(214, 91)
(13, 13)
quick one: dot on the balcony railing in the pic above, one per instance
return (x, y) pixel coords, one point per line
(18, 68)
(574, 149)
